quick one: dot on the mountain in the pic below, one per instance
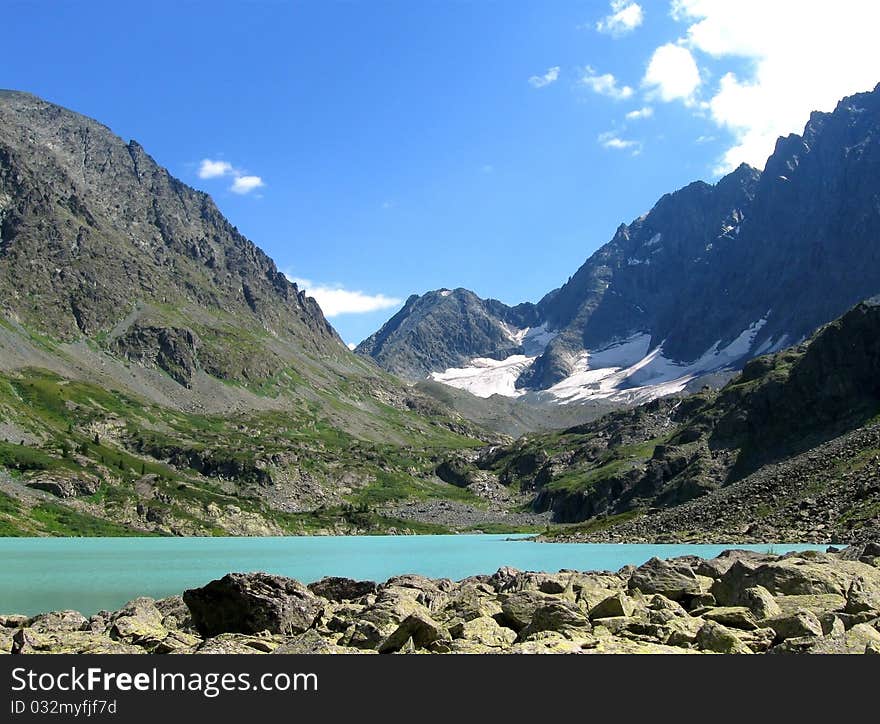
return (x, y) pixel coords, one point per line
(711, 277)
(158, 374)
(787, 450)
(97, 239)
(447, 328)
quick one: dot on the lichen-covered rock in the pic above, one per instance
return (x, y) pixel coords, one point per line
(792, 576)
(232, 643)
(738, 617)
(66, 641)
(558, 616)
(419, 628)
(863, 597)
(15, 620)
(760, 602)
(517, 609)
(139, 622)
(485, 631)
(796, 625)
(58, 621)
(471, 601)
(675, 580)
(311, 642)
(615, 605)
(719, 639)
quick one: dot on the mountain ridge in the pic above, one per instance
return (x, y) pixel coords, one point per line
(711, 276)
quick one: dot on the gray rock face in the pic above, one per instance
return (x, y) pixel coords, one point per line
(172, 349)
(443, 329)
(251, 603)
(103, 236)
(63, 486)
(786, 250)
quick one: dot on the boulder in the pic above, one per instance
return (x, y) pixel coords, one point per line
(425, 591)
(659, 602)
(854, 641)
(61, 641)
(719, 639)
(472, 601)
(377, 622)
(862, 597)
(760, 602)
(175, 614)
(235, 643)
(518, 609)
(821, 573)
(16, 620)
(796, 625)
(58, 621)
(177, 642)
(738, 617)
(682, 631)
(819, 603)
(676, 581)
(138, 622)
(419, 628)
(485, 631)
(718, 566)
(311, 642)
(252, 602)
(334, 588)
(557, 616)
(617, 604)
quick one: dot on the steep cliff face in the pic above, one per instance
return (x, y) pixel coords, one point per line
(711, 277)
(94, 235)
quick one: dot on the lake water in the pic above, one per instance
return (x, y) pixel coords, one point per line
(90, 574)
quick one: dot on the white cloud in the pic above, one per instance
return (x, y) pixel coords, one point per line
(802, 56)
(335, 300)
(246, 184)
(611, 140)
(551, 76)
(242, 183)
(605, 85)
(624, 18)
(639, 114)
(209, 168)
(351, 346)
(672, 74)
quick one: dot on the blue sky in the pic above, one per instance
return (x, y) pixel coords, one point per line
(379, 149)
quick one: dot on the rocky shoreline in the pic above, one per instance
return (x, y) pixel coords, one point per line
(741, 602)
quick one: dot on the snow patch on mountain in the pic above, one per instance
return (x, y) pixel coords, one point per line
(614, 374)
(626, 371)
(485, 377)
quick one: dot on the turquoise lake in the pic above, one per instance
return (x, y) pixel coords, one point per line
(90, 574)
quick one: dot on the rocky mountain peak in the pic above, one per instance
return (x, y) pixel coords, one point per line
(713, 274)
(103, 236)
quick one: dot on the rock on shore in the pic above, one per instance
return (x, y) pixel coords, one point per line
(740, 603)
